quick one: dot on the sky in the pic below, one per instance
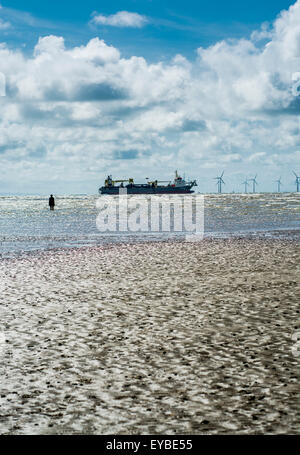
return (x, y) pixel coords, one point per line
(139, 88)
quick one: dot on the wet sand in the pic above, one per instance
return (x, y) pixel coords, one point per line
(156, 338)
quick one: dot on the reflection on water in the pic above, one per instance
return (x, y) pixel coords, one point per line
(26, 223)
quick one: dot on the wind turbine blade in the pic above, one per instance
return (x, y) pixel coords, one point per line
(295, 174)
(222, 174)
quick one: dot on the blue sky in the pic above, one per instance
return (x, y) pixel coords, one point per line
(173, 27)
(145, 87)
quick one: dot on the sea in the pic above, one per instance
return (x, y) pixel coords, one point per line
(28, 226)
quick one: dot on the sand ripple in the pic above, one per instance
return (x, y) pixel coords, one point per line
(158, 338)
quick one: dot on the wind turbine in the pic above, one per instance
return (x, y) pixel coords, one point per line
(254, 182)
(297, 182)
(246, 183)
(278, 184)
(219, 182)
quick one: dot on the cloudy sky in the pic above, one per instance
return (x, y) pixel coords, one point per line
(141, 88)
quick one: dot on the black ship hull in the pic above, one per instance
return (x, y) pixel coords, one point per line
(145, 189)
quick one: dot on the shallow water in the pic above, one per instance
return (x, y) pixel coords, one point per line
(26, 224)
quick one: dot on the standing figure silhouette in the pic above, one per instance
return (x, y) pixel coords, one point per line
(51, 202)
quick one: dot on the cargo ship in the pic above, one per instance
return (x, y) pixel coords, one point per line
(178, 186)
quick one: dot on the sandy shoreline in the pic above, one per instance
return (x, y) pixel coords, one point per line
(156, 338)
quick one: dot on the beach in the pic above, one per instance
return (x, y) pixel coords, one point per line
(152, 338)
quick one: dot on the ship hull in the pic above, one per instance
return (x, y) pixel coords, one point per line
(114, 190)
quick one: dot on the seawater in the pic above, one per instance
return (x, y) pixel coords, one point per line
(27, 224)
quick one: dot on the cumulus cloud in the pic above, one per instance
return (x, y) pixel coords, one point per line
(121, 19)
(96, 51)
(49, 45)
(86, 109)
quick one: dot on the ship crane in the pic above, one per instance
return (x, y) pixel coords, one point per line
(112, 182)
(124, 180)
(160, 181)
(155, 182)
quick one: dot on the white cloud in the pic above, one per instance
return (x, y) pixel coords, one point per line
(81, 109)
(49, 45)
(121, 19)
(97, 51)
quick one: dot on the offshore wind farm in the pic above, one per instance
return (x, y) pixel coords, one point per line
(252, 182)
